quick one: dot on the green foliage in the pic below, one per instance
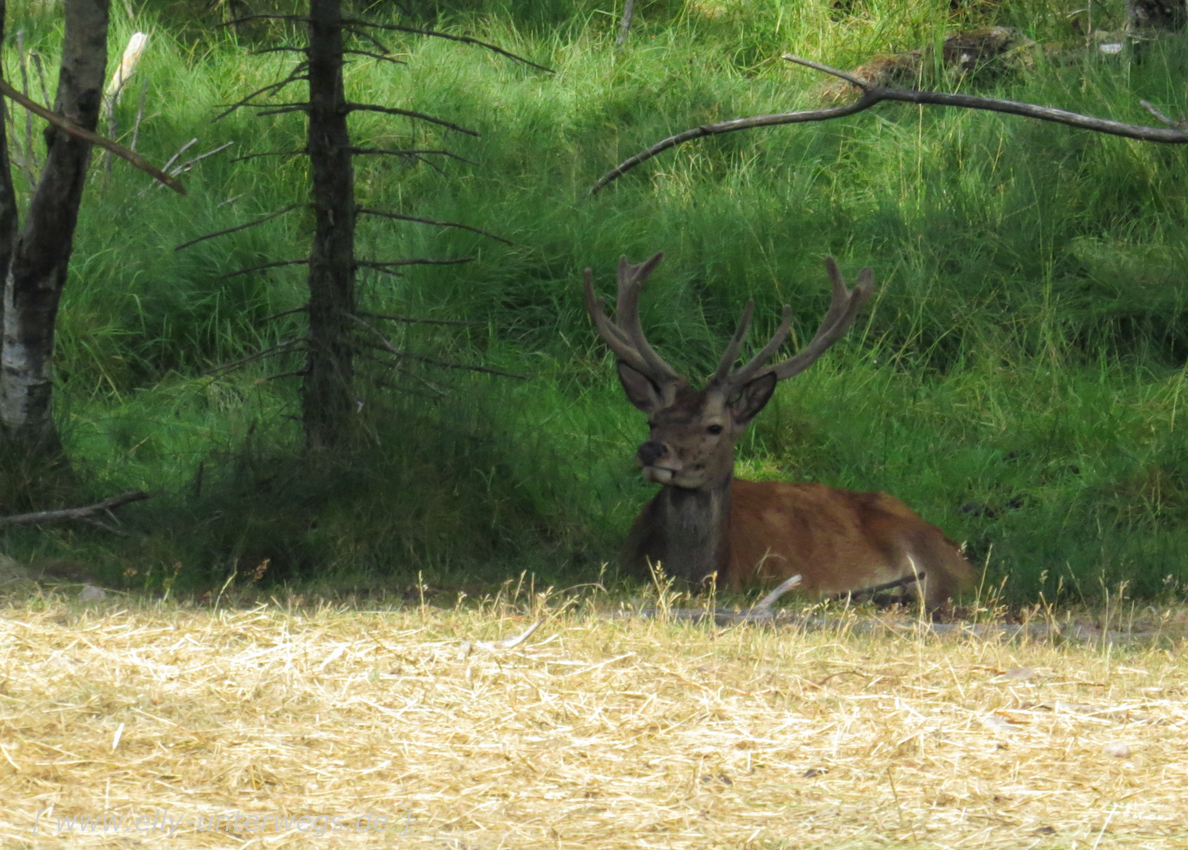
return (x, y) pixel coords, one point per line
(1017, 380)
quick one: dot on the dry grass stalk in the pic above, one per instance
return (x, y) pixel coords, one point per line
(593, 732)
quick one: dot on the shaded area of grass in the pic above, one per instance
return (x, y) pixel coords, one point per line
(1018, 379)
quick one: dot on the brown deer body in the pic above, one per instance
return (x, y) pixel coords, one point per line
(705, 522)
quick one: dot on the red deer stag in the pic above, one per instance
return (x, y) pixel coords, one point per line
(705, 521)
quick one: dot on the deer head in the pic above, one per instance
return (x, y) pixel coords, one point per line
(693, 432)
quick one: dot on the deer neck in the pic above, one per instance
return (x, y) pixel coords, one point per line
(696, 532)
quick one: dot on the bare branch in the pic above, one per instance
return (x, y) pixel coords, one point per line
(296, 373)
(303, 308)
(260, 268)
(139, 113)
(271, 351)
(70, 514)
(382, 57)
(413, 218)
(865, 102)
(1181, 124)
(412, 320)
(180, 151)
(94, 138)
(419, 261)
(433, 33)
(871, 95)
(299, 19)
(189, 163)
(239, 227)
(364, 34)
(302, 152)
(294, 76)
(421, 116)
(273, 109)
(410, 153)
(283, 49)
(402, 353)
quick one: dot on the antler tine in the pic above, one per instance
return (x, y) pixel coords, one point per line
(745, 373)
(611, 333)
(843, 307)
(632, 280)
(736, 341)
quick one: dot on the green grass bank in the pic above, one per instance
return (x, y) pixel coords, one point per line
(1017, 380)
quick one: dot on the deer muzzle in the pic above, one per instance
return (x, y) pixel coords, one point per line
(650, 452)
(659, 465)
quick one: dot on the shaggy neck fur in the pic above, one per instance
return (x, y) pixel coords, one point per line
(691, 537)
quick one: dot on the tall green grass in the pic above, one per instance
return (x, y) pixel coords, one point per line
(1017, 380)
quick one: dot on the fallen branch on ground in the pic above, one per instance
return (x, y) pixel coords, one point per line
(86, 513)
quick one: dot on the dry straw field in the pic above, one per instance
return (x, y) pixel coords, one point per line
(129, 723)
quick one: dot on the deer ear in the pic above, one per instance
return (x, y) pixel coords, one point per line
(640, 390)
(752, 398)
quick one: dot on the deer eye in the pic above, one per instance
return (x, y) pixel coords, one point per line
(714, 429)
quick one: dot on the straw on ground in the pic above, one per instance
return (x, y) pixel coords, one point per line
(594, 732)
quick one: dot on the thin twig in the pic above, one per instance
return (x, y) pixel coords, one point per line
(180, 151)
(301, 19)
(69, 514)
(430, 361)
(410, 152)
(434, 34)
(239, 227)
(303, 308)
(246, 157)
(379, 56)
(409, 113)
(94, 138)
(260, 268)
(190, 163)
(364, 34)
(432, 222)
(283, 110)
(412, 320)
(139, 112)
(294, 76)
(282, 49)
(872, 95)
(418, 261)
(296, 373)
(271, 351)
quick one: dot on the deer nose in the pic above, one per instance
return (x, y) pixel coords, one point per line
(650, 452)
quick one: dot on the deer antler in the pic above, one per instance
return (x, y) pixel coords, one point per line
(625, 335)
(843, 307)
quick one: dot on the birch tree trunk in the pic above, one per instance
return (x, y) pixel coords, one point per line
(327, 397)
(8, 204)
(36, 272)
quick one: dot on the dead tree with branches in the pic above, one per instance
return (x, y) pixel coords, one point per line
(333, 337)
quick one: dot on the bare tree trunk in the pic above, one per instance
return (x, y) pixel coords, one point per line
(625, 23)
(8, 203)
(37, 271)
(327, 401)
